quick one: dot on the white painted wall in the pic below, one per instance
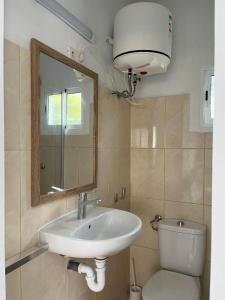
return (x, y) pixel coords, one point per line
(2, 169)
(193, 50)
(218, 203)
(25, 19)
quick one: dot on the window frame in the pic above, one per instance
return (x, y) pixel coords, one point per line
(83, 128)
(206, 103)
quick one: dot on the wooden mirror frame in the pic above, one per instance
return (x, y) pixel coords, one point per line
(36, 48)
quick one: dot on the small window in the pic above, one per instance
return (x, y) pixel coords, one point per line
(55, 109)
(208, 97)
(73, 109)
(212, 95)
(72, 106)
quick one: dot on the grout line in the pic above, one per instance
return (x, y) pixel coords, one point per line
(166, 200)
(174, 148)
(145, 247)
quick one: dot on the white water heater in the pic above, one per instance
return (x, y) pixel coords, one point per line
(142, 38)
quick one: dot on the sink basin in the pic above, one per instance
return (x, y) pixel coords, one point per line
(104, 232)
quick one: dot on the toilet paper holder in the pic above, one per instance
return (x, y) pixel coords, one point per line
(155, 221)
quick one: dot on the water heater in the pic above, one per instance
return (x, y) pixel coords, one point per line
(142, 38)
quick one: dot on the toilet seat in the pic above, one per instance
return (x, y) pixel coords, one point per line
(167, 285)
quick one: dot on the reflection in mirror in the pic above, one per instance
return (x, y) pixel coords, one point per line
(67, 127)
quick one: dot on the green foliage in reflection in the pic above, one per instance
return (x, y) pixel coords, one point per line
(73, 109)
(54, 109)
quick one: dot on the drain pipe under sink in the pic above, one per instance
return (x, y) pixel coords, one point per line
(94, 285)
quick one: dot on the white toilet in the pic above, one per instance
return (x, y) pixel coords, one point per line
(182, 254)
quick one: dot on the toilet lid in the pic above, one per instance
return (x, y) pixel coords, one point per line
(166, 285)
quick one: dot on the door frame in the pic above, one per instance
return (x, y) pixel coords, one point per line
(2, 165)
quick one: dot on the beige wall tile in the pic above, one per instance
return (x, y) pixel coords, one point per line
(184, 175)
(107, 120)
(13, 286)
(147, 173)
(25, 99)
(208, 177)
(118, 272)
(44, 278)
(12, 96)
(71, 202)
(77, 287)
(123, 172)
(186, 211)
(117, 278)
(113, 121)
(207, 222)
(146, 209)
(148, 124)
(12, 203)
(146, 263)
(208, 140)
(177, 134)
(123, 124)
(122, 204)
(103, 181)
(107, 175)
(105, 294)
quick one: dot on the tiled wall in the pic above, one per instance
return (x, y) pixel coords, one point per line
(170, 175)
(46, 278)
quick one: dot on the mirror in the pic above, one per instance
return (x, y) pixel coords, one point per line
(64, 125)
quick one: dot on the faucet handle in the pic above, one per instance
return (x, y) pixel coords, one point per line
(98, 201)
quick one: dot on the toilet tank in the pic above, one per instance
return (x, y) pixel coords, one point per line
(182, 246)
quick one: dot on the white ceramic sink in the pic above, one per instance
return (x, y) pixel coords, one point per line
(104, 232)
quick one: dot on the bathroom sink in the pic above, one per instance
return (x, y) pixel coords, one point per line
(104, 232)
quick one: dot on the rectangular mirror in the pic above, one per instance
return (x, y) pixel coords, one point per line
(64, 125)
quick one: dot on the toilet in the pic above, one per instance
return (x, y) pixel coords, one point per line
(182, 253)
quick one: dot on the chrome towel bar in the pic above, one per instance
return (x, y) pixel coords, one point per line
(19, 260)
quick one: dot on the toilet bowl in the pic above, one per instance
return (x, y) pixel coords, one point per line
(167, 285)
(182, 252)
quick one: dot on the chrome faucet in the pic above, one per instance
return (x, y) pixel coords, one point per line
(82, 205)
